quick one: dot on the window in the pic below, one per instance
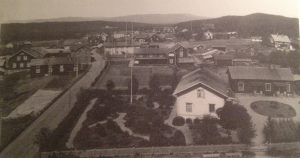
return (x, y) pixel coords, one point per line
(212, 107)
(37, 69)
(200, 93)
(171, 61)
(18, 58)
(50, 70)
(61, 68)
(28, 64)
(189, 107)
(76, 67)
(268, 87)
(288, 87)
(181, 52)
(14, 65)
(21, 65)
(241, 86)
(25, 57)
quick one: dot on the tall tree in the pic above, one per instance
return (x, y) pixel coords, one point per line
(110, 85)
(135, 85)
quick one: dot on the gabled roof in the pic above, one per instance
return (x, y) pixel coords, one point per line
(150, 50)
(32, 52)
(77, 47)
(202, 78)
(121, 44)
(223, 57)
(260, 73)
(52, 61)
(280, 38)
(142, 36)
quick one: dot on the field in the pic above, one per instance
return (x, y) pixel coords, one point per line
(120, 75)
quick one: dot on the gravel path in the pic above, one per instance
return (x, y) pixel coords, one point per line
(121, 122)
(79, 123)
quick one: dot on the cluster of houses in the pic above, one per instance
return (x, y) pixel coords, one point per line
(202, 91)
(41, 61)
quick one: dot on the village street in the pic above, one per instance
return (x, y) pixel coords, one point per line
(23, 145)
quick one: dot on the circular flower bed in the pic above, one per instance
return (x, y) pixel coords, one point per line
(273, 109)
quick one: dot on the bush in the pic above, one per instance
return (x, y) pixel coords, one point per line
(178, 121)
(189, 121)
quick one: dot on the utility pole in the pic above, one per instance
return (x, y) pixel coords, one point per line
(131, 73)
(0, 122)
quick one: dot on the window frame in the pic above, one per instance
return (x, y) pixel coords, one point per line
(61, 68)
(268, 89)
(21, 65)
(37, 69)
(239, 86)
(14, 65)
(288, 88)
(200, 93)
(189, 107)
(212, 108)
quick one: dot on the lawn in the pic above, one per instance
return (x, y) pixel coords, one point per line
(273, 109)
(15, 90)
(120, 75)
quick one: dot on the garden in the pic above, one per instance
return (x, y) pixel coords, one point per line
(273, 109)
(233, 125)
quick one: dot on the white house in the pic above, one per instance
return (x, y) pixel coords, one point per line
(198, 93)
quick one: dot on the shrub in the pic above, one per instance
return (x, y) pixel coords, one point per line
(189, 121)
(178, 121)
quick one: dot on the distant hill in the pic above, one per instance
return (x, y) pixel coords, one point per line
(61, 30)
(157, 18)
(139, 18)
(254, 24)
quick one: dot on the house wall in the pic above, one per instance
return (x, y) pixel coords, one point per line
(44, 70)
(200, 106)
(258, 86)
(14, 59)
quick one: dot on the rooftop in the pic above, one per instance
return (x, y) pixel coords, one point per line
(260, 73)
(52, 61)
(280, 38)
(203, 77)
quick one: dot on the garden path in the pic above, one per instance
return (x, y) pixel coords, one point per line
(121, 122)
(79, 124)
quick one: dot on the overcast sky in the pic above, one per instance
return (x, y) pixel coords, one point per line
(43, 9)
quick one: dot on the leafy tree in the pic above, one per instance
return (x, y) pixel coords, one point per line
(294, 59)
(206, 131)
(154, 83)
(135, 85)
(269, 130)
(236, 117)
(43, 138)
(110, 85)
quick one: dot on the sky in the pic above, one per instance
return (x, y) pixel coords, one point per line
(44, 9)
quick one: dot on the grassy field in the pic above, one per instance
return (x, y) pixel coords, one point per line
(120, 75)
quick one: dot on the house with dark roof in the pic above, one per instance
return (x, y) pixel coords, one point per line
(261, 80)
(21, 59)
(200, 92)
(183, 52)
(223, 59)
(52, 66)
(81, 55)
(119, 48)
(152, 56)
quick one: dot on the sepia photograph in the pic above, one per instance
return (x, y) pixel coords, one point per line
(149, 79)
